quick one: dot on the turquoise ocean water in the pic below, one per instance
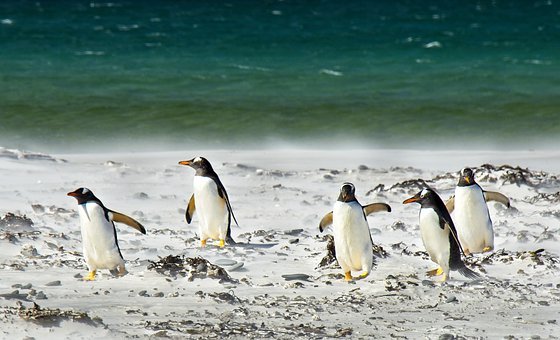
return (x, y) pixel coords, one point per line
(215, 74)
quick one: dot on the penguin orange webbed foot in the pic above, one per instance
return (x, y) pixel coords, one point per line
(363, 275)
(435, 272)
(222, 243)
(90, 277)
(203, 243)
(466, 251)
(347, 276)
(487, 249)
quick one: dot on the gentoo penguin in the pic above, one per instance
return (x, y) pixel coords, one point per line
(439, 235)
(474, 226)
(99, 236)
(352, 239)
(211, 202)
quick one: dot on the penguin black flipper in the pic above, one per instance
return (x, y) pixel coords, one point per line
(115, 235)
(326, 221)
(230, 239)
(223, 194)
(376, 207)
(190, 210)
(446, 221)
(450, 204)
(496, 196)
(455, 249)
(129, 221)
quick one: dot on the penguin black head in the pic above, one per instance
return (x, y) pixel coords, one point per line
(425, 197)
(347, 192)
(200, 164)
(83, 195)
(466, 177)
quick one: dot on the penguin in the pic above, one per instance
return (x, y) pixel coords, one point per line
(211, 202)
(472, 218)
(352, 239)
(439, 235)
(99, 236)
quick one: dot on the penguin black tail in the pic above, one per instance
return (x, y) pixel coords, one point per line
(469, 273)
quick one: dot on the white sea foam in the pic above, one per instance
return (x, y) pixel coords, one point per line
(7, 22)
(106, 4)
(433, 44)
(247, 67)
(331, 72)
(126, 28)
(92, 53)
(538, 62)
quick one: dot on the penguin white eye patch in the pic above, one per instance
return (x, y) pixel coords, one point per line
(350, 185)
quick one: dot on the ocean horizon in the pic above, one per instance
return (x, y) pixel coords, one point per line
(78, 75)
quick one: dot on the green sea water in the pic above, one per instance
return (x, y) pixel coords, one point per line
(79, 74)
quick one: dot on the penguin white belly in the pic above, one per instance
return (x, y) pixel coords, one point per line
(98, 238)
(435, 239)
(210, 208)
(352, 239)
(472, 219)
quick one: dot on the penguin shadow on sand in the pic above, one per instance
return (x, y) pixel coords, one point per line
(353, 245)
(99, 235)
(211, 203)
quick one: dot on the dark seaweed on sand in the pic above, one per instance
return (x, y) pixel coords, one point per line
(506, 174)
(190, 267)
(539, 257)
(13, 221)
(13, 227)
(516, 175)
(330, 257)
(247, 329)
(51, 316)
(543, 197)
(411, 185)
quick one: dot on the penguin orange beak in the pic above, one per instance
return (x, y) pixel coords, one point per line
(468, 179)
(411, 200)
(72, 193)
(185, 162)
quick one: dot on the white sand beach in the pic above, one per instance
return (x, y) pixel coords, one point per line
(279, 197)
